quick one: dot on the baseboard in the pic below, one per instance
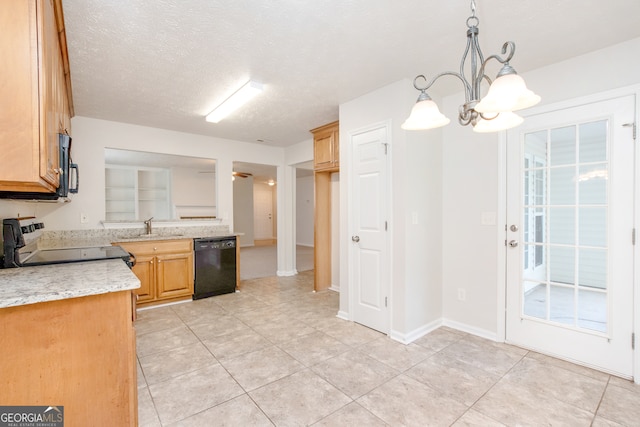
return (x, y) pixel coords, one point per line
(343, 315)
(334, 288)
(163, 304)
(267, 241)
(482, 333)
(306, 245)
(286, 273)
(411, 336)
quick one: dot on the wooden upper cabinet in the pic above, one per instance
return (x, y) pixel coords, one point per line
(34, 94)
(326, 147)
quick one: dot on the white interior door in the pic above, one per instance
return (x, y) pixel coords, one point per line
(263, 212)
(369, 245)
(570, 198)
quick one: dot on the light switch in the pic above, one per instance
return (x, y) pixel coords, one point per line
(488, 218)
(414, 218)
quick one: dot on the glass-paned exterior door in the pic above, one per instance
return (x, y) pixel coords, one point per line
(565, 214)
(569, 234)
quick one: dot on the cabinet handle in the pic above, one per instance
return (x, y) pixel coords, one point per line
(159, 261)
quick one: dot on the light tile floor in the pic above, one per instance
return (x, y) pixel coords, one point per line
(275, 354)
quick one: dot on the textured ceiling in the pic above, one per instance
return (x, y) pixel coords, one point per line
(167, 63)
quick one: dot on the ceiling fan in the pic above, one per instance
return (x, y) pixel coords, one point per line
(242, 174)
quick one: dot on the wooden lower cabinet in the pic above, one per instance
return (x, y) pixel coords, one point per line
(164, 268)
(79, 353)
(145, 272)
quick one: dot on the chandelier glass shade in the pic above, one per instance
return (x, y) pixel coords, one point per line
(507, 93)
(499, 121)
(425, 112)
(495, 112)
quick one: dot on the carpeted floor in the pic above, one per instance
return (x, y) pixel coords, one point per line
(261, 261)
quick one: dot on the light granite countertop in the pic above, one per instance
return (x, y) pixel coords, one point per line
(31, 285)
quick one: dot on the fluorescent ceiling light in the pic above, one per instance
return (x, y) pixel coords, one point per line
(235, 101)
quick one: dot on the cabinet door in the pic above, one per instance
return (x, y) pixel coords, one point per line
(32, 96)
(326, 147)
(78, 352)
(174, 275)
(336, 148)
(52, 104)
(323, 151)
(19, 95)
(145, 272)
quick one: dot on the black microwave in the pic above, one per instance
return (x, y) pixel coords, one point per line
(69, 178)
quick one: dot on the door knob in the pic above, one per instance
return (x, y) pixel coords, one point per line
(513, 243)
(513, 228)
(355, 238)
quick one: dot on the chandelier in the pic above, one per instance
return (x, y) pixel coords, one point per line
(495, 112)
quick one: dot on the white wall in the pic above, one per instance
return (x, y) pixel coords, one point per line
(299, 153)
(243, 210)
(335, 231)
(193, 192)
(471, 186)
(91, 136)
(295, 154)
(304, 211)
(415, 187)
(192, 188)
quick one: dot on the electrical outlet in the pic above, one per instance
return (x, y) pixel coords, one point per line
(462, 294)
(83, 218)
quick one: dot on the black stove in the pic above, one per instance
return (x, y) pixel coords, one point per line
(20, 247)
(61, 256)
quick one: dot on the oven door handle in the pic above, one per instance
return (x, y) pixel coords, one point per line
(132, 260)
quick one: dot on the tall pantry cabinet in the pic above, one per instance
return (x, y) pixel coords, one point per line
(326, 160)
(35, 94)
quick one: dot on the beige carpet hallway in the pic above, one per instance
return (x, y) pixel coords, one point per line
(275, 354)
(261, 261)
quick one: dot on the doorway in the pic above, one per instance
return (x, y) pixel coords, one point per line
(569, 262)
(305, 213)
(263, 214)
(254, 218)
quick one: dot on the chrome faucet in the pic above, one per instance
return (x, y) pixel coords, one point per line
(147, 225)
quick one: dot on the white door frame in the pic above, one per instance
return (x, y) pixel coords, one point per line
(350, 175)
(502, 209)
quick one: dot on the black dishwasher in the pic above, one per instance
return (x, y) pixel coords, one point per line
(215, 266)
